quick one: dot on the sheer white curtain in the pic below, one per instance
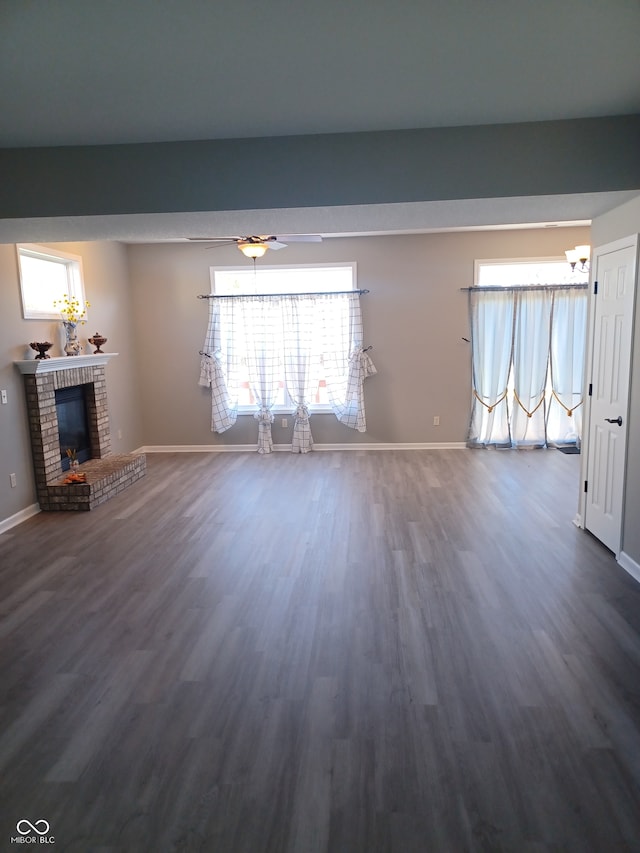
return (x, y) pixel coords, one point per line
(301, 363)
(567, 357)
(492, 342)
(346, 363)
(288, 339)
(528, 345)
(530, 365)
(243, 331)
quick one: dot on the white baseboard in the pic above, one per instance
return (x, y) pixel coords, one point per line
(197, 448)
(247, 448)
(629, 565)
(19, 517)
(445, 445)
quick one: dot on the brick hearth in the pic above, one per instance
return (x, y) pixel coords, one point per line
(106, 474)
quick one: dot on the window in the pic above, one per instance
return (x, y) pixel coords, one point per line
(528, 329)
(285, 345)
(299, 279)
(234, 281)
(519, 272)
(47, 275)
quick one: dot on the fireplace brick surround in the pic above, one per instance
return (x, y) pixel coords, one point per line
(106, 474)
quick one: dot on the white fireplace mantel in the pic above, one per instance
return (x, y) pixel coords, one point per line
(67, 362)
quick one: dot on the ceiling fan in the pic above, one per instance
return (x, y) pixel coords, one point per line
(255, 245)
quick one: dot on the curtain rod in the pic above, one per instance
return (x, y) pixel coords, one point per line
(366, 349)
(311, 293)
(517, 287)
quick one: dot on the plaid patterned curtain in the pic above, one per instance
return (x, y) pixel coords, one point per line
(346, 363)
(219, 364)
(290, 337)
(258, 322)
(301, 363)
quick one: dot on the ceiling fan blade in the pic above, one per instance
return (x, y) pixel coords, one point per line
(214, 242)
(271, 241)
(299, 238)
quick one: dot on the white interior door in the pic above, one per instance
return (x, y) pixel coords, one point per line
(613, 308)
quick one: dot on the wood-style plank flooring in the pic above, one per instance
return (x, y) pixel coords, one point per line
(344, 651)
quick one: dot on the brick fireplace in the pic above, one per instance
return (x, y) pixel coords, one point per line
(106, 474)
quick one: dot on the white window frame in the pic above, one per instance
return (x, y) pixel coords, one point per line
(568, 277)
(255, 273)
(288, 407)
(74, 280)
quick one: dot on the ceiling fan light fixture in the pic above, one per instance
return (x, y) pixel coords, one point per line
(252, 250)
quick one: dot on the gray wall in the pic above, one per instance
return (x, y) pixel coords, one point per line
(144, 300)
(492, 161)
(107, 289)
(619, 223)
(415, 316)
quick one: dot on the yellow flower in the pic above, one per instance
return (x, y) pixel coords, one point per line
(71, 310)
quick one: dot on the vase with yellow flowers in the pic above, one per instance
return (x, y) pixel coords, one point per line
(73, 313)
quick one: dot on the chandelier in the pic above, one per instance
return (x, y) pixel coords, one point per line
(579, 255)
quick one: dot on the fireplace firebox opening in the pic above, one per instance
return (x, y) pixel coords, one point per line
(73, 423)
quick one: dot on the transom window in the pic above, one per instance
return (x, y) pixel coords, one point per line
(290, 279)
(520, 272)
(46, 276)
(240, 281)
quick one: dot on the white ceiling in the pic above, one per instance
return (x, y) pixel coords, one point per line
(74, 72)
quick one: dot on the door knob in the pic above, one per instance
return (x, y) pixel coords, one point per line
(617, 420)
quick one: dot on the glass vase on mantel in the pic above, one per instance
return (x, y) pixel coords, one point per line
(72, 344)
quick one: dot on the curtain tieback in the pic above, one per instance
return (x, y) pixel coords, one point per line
(531, 413)
(302, 413)
(491, 407)
(566, 408)
(264, 416)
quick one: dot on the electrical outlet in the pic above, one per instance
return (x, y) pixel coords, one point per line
(285, 422)
(119, 434)
(436, 420)
(13, 480)
(3, 397)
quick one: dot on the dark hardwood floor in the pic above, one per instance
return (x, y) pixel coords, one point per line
(359, 651)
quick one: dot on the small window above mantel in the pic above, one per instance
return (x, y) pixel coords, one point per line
(46, 276)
